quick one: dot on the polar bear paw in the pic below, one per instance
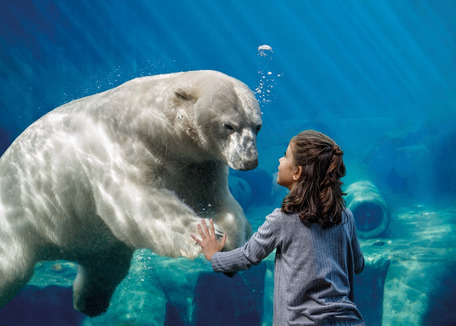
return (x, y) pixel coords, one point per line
(194, 250)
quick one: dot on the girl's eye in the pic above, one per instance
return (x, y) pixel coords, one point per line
(284, 154)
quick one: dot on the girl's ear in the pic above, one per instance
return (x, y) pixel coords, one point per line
(297, 173)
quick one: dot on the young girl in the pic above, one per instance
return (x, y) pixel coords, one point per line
(317, 251)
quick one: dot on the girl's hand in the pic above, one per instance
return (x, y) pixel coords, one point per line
(209, 242)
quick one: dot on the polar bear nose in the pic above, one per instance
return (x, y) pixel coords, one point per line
(249, 165)
(243, 165)
(243, 154)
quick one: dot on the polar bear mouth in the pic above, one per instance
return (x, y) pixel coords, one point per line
(239, 158)
(243, 166)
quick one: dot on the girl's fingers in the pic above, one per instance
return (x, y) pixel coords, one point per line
(223, 240)
(212, 227)
(201, 232)
(206, 230)
(196, 239)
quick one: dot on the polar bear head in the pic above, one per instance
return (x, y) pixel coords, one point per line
(226, 116)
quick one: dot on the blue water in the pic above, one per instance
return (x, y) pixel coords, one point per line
(377, 76)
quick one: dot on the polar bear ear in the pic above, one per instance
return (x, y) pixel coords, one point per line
(183, 95)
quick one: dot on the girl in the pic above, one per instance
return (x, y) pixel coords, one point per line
(317, 251)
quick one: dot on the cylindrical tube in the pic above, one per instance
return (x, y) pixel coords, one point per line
(369, 209)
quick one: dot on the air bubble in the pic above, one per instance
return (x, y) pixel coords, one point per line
(267, 76)
(264, 50)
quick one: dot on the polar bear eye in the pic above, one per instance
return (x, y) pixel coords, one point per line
(227, 126)
(183, 95)
(258, 128)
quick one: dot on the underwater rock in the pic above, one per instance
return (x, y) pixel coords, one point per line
(173, 316)
(155, 289)
(407, 292)
(417, 162)
(46, 299)
(371, 213)
(224, 301)
(369, 290)
(420, 286)
(58, 268)
(163, 291)
(36, 306)
(442, 305)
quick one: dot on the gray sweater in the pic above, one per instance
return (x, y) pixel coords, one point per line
(314, 267)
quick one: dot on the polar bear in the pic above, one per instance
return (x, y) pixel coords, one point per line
(136, 166)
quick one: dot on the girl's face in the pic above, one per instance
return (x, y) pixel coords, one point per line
(288, 173)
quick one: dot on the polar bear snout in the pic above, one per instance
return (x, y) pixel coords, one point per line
(242, 151)
(244, 165)
(250, 165)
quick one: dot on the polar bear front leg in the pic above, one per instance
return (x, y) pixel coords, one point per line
(96, 281)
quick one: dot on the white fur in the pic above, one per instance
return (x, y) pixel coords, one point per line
(137, 166)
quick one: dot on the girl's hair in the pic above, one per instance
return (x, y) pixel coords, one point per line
(317, 196)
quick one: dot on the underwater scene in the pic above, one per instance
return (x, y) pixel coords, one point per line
(378, 77)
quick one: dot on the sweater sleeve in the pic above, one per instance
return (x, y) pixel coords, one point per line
(358, 255)
(260, 245)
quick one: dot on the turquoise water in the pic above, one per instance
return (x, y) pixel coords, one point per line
(377, 76)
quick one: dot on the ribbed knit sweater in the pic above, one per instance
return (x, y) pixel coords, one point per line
(314, 267)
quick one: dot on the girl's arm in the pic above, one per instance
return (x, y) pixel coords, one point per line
(358, 255)
(260, 245)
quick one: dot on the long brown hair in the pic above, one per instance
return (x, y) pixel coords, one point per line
(317, 196)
